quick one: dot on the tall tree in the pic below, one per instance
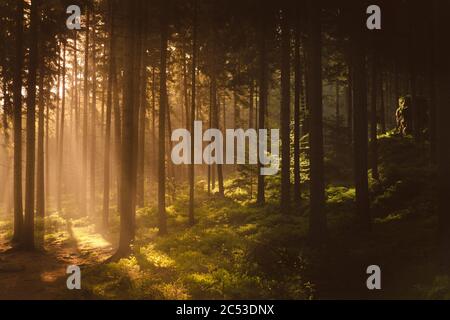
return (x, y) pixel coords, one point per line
(141, 134)
(297, 105)
(317, 224)
(139, 108)
(373, 117)
(263, 83)
(432, 83)
(349, 103)
(285, 114)
(17, 96)
(441, 67)
(127, 198)
(84, 159)
(382, 111)
(28, 235)
(117, 131)
(192, 116)
(75, 87)
(162, 116)
(360, 120)
(40, 176)
(93, 119)
(338, 105)
(215, 112)
(61, 132)
(109, 94)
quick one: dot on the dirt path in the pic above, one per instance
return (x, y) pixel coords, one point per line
(42, 274)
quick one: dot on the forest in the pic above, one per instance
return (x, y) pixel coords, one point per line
(223, 149)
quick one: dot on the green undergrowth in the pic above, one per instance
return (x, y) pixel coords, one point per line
(237, 250)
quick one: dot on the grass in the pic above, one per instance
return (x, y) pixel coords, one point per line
(238, 250)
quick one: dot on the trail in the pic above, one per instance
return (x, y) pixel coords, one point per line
(42, 274)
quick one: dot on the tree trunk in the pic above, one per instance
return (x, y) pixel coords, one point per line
(216, 116)
(360, 123)
(415, 114)
(373, 118)
(236, 110)
(382, 111)
(76, 106)
(5, 190)
(350, 105)
(215, 106)
(92, 201)
(47, 150)
(317, 222)
(127, 202)
(141, 138)
(432, 89)
(251, 108)
(441, 67)
(107, 156)
(154, 153)
(210, 166)
(61, 135)
(117, 133)
(285, 114)
(261, 111)
(28, 235)
(17, 88)
(338, 113)
(192, 118)
(85, 117)
(297, 107)
(162, 120)
(40, 177)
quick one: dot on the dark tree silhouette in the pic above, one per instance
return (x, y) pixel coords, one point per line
(162, 116)
(285, 112)
(318, 224)
(17, 94)
(28, 235)
(360, 122)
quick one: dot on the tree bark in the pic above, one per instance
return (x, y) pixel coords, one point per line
(17, 123)
(107, 148)
(92, 201)
(162, 120)
(40, 177)
(61, 134)
(382, 111)
(261, 110)
(28, 235)
(154, 150)
(117, 133)
(215, 113)
(126, 205)
(432, 88)
(141, 138)
(350, 105)
(192, 118)
(85, 117)
(360, 123)
(285, 114)
(317, 222)
(441, 67)
(297, 107)
(373, 118)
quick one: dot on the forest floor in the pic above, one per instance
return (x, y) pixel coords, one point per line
(238, 250)
(41, 274)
